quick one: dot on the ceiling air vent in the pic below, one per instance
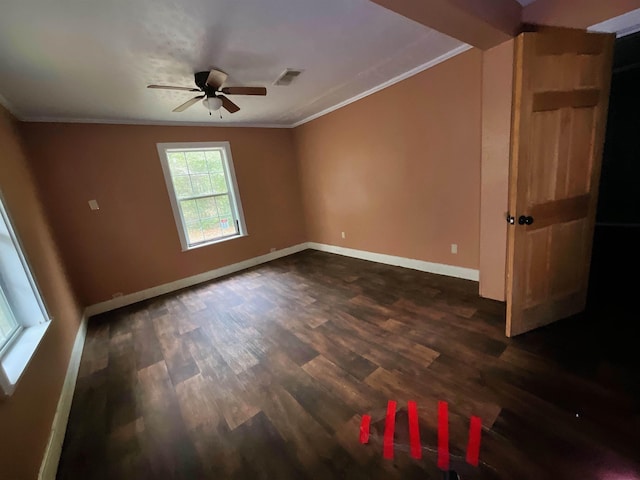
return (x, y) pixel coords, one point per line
(287, 77)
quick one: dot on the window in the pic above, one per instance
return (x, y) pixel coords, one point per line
(8, 323)
(23, 317)
(203, 191)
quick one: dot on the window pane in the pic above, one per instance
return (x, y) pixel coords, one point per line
(177, 163)
(219, 183)
(228, 225)
(211, 228)
(201, 184)
(197, 162)
(224, 206)
(182, 185)
(194, 233)
(8, 323)
(207, 207)
(190, 211)
(214, 161)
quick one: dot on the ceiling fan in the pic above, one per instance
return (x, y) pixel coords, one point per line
(210, 85)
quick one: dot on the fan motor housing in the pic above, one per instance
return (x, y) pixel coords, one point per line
(201, 82)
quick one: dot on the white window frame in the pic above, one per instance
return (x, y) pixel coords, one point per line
(232, 186)
(27, 307)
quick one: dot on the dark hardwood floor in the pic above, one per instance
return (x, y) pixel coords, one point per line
(265, 374)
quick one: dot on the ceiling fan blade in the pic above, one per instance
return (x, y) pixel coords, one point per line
(169, 87)
(216, 78)
(228, 104)
(244, 90)
(188, 103)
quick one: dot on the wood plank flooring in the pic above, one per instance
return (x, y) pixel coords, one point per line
(265, 375)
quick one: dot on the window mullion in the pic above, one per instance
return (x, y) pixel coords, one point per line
(199, 218)
(184, 155)
(207, 195)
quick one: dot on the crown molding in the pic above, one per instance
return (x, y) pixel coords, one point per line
(388, 83)
(150, 122)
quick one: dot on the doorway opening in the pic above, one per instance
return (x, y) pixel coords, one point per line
(615, 262)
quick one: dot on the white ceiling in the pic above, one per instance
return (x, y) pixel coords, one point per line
(92, 59)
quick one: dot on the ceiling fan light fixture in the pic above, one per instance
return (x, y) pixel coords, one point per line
(210, 87)
(212, 103)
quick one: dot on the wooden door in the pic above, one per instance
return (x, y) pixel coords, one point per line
(561, 93)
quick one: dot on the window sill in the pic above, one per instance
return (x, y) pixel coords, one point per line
(213, 242)
(15, 360)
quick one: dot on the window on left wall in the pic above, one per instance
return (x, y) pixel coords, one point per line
(23, 316)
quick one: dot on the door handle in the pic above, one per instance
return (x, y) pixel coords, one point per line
(522, 220)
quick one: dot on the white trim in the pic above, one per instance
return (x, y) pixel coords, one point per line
(49, 466)
(622, 25)
(388, 83)
(24, 302)
(32, 319)
(421, 265)
(18, 354)
(165, 123)
(438, 268)
(190, 281)
(628, 31)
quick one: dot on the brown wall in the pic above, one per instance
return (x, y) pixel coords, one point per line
(497, 82)
(26, 417)
(399, 171)
(132, 243)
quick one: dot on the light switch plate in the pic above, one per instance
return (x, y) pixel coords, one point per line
(93, 205)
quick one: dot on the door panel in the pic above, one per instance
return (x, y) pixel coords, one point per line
(580, 158)
(544, 156)
(536, 247)
(561, 91)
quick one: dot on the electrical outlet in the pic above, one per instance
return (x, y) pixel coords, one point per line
(344, 235)
(454, 248)
(93, 205)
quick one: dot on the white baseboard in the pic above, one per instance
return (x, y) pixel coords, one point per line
(439, 268)
(49, 467)
(190, 281)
